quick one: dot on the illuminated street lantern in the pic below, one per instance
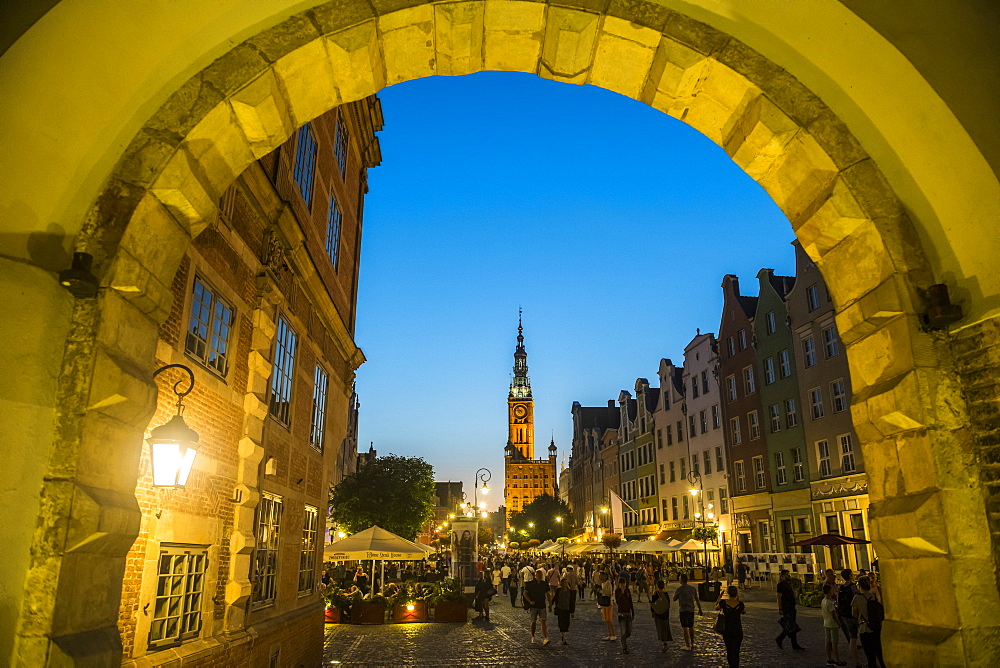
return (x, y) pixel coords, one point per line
(173, 445)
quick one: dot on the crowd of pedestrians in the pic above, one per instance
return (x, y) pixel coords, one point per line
(543, 586)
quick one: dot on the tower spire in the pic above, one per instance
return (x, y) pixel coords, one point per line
(520, 385)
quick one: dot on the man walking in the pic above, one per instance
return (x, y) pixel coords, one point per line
(505, 577)
(538, 597)
(786, 611)
(845, 612)
(687, 598)
(552, 576)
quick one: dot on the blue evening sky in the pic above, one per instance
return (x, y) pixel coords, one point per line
(610, 223)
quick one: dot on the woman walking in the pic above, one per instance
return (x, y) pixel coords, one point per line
(732, 610)
(604, 602)
(565, 606)
(497, 580)
(484, 592)
(659, 607)
(626, 611)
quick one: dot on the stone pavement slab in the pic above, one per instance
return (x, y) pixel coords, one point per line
(505, 641)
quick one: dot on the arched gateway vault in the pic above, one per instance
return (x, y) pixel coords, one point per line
(929, 513)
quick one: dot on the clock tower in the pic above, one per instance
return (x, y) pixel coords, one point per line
(520, 405)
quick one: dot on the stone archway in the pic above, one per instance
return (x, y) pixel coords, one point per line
(929, 513)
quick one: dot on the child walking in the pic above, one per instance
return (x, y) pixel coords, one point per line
(831, 627)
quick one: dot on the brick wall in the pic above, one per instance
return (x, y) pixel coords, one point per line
(977, 356)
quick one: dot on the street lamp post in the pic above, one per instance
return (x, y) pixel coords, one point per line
(695, 478)
(483, 475)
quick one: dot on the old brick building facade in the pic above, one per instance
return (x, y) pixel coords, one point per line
(225, 569)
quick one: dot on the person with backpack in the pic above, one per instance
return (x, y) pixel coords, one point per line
(848, 622)
(659, 606)
(870, 613)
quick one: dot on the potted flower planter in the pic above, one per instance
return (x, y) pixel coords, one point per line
(367, 613)
(451, 611)
(410, 612)
(332, 616)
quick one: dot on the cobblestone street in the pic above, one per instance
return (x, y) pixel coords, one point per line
(505, 641)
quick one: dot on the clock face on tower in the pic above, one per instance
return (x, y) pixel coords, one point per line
(520, 411)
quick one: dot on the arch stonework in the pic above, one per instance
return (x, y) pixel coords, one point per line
(929, 509)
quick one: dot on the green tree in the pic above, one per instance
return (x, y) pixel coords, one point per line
(393, 492)
(485, 537)
(542, 512)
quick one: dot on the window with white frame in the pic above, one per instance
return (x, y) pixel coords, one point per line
(706, 459)
(812, 297)
(791, 413)
(734, 430)
(774, 413)
(285, 344)
(703, 420)
(741, 477)
(784, 363)
(823, 449)
(753, 420)
(809, 351)
(768, 370)
(771, 322)
(695, 469)
(716, 417)
(686, 506)
(663, 475)
(670, 434)
(780, 475)
(673, 508)
(317, 427)
(307, 551)
(731, 346)
(704, 382)
(694, 387)
(720, 462)
(684, 473)
(305, 162)
(333, 224)
(749, 384)
(673, 471)
(798, 466)
(265, 571)
(846, 453)
(692, 430)
(180, 588)
(723, 501)
(731, 387)
(208, 332)
(816, 402)
(839, 391)
(758, 471)
(743, 339)
(680, 431)
(830, 348)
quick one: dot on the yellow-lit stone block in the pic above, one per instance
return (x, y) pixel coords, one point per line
(568, 47)
(838, 217)
(883, 355)
(262, 114)
(130, 277)
(513, 35)
(621, 63)
(155, 239)
(759, 136)
(186, 193)
(307, 76)
(856, 265)
(458, 40)
(671, 73)
(126, 330)
(103, 520)
(712, 99)
(408, 43)
(357, 64)
(118, 391)
(801, 179)
(255, 406)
